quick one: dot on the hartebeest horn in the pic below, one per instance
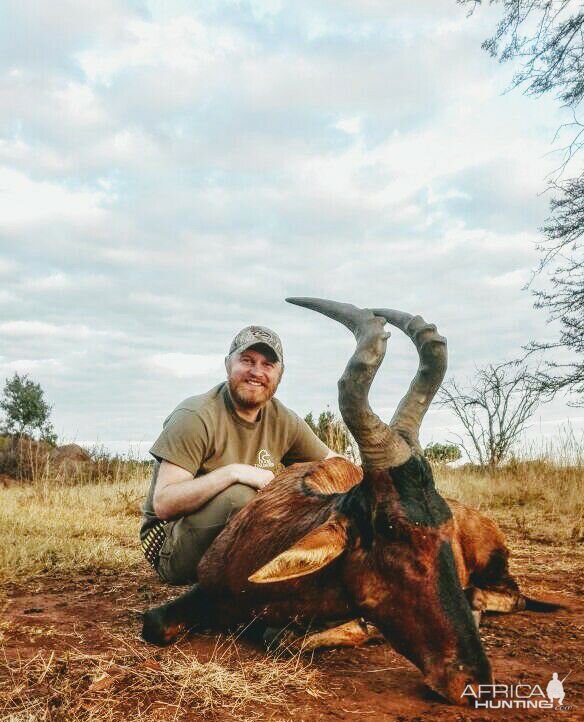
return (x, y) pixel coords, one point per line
(380, 446)
(432, 367)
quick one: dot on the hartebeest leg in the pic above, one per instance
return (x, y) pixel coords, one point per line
(349, 634)
(504, 601)
(162, 625)
(493, 588)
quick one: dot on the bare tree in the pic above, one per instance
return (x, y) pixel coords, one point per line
(548, 35)
(493, 409)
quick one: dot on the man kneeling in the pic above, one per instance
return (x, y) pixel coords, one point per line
(216, 450)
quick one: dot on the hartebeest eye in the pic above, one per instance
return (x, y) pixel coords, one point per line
(390, 528)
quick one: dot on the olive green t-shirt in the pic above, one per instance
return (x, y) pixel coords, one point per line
(204, 433)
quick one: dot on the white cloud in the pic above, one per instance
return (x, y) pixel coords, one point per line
(7, 296)
(181, 44)
(350, 125)
(79, 104)
(48, 366)
(182, 365)
(41, 328)
(158, 301)
(513, 279)
(130, 256)
(168, 175)
(26, 202)
(59, 281)
(7, 266)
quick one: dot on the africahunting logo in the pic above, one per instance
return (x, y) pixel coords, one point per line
(519, 696)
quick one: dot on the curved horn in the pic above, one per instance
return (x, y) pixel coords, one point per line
(431, 369)
(380, 446)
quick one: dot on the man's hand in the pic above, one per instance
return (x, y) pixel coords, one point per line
(251, 475)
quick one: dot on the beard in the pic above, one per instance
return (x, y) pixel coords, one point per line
(251, 397)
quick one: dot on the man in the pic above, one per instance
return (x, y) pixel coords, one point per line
(216, 451)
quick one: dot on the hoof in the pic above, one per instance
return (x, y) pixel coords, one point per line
(277, 638)
(154, 631)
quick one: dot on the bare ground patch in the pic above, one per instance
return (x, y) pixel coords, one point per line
(71, 651)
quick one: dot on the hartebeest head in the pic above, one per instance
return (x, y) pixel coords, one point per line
(395, 527)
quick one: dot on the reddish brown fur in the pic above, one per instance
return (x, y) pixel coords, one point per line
(299, 500)
(411, 564)
(244, 546)
(402, 555)
(335, 477)
(172, 632)
(388, 549)
(477, 535)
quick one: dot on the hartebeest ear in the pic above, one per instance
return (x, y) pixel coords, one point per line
(313, 552)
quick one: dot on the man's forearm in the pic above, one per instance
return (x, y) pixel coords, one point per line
(189, 494)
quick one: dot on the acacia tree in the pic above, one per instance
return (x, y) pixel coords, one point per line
(548, 36)
(25, 409)
(564, 302)
(493, 409)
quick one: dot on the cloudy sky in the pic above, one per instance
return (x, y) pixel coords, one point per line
(170, 172)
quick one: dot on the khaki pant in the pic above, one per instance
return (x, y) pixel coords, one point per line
(188, 538)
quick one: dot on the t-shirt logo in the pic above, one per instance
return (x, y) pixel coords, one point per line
(265, 459)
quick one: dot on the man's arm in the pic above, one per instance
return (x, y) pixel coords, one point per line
(331, 454)
(178, 492)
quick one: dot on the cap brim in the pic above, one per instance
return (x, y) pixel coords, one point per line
(262, 344)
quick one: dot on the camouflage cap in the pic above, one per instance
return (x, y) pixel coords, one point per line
(253, 335)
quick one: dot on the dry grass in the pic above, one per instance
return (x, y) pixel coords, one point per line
(70, 525)
(134, 685)
(36, 462)
(50, 527)
(70, 516)
(539, 497)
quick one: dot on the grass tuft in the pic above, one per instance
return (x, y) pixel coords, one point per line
(133, 685)
(50, 527)
(538, 497)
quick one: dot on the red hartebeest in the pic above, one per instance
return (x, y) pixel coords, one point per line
(328, 541)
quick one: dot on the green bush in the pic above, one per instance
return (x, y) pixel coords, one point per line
(25, 409)
(442, 453)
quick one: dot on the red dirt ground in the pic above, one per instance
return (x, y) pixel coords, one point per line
(99, 614)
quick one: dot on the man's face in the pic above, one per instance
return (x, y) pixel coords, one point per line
(253, 376)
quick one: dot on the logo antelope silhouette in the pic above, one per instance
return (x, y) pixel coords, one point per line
(376, 548)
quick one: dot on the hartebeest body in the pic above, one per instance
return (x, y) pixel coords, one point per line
(328, 541)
